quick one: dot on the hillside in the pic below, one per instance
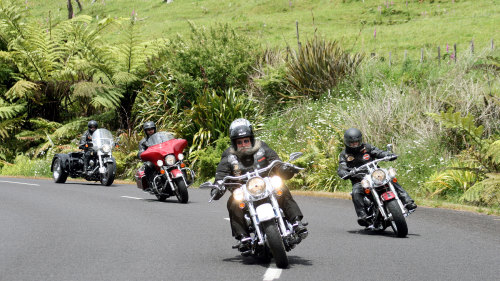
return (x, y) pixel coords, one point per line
(364, 25)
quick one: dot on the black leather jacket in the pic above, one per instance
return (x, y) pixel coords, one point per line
(351, 158)
(142, 146)
(235, 163)
(86, 138)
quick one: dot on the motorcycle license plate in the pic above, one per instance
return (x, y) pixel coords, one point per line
(265, 212)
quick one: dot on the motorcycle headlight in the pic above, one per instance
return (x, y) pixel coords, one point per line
(170, 159)
(378, 177)
(365, 183)
(106, 148)
(180, 156)
(256, 186)
(391, 173)
(276, 182)
(159, 163)
(238, 194)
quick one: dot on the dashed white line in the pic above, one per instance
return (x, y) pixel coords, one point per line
(130, 197)
(21, 183)
(226, 219)
(272, 273)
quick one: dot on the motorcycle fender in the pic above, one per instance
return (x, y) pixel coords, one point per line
(176, 173)
(389, 195)
(265, 212)
(64, 159)
(110, 160)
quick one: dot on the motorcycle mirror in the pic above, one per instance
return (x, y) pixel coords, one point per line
(206, 185)
(295, 155)
(389, 147)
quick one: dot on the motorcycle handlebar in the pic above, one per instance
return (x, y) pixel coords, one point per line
(365, 166)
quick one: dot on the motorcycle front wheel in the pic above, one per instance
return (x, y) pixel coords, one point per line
(109, 176)
(398, 222)
(275, 243)
(182, 191)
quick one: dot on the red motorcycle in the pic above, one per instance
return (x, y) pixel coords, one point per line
(170, 173)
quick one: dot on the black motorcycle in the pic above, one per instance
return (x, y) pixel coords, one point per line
(101, 167)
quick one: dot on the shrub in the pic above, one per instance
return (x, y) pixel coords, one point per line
(207, 159)
(319, 66)
(24, 166)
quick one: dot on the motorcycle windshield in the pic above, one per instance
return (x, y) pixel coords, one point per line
(159, 150)
(102, 139)
(158, 138)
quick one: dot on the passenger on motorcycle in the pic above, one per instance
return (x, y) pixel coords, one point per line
(149, 129)
(245, 154)
(85, 140)
(355, 154)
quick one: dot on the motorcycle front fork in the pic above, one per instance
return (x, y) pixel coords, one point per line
(278, 216)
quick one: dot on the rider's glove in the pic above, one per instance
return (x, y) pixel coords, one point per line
(216, 193)
(287, 171)
(393, 157)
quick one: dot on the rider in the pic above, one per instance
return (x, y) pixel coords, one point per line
(245, 154)
(149, 129)
(84, 141)
(355, 154)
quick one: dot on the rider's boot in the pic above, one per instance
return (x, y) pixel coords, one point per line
(300, 228)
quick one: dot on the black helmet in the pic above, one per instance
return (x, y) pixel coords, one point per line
(352, 136)
(240, 128)
(149, 125)
(92, 124)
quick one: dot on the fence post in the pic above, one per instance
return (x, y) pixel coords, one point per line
(439, 56)
(472, 46)
(492, 45)
(455, 52)
(390, 57)
(422, 55)
(297, 28)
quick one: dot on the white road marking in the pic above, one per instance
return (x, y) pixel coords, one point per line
(272, 273)
(226, 218)
(21, 183)
(130, 197)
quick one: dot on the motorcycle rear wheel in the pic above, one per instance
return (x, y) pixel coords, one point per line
(398, 222)
(58, 172)
(275, 243)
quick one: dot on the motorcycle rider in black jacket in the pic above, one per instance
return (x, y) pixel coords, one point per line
(355, 154)
(245, 154)
(149, 129)
(84, 141)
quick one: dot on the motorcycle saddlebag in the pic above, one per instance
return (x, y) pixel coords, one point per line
(140, 179)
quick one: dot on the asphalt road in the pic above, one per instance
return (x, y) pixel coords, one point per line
(84, 231)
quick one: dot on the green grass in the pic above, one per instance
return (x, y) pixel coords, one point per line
(272, 22)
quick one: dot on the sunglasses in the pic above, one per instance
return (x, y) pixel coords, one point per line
(238, 142)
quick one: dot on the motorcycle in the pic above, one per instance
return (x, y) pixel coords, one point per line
(382, 203)
(170, 172)
(272, 235)
(102, 164)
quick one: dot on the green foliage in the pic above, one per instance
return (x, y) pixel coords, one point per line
(319, 66)
(217, 58)
(24, 166)
(476, 174)
(207, 159)
(485, 192)
(213, 112)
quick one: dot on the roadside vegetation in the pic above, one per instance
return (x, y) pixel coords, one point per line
(443, 117)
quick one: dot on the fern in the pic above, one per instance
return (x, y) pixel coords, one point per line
(454, 120)
(485, 192)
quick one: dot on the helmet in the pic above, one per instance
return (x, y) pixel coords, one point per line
(92, 124)
(149, 125)
(240, 128)
(352, 136)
